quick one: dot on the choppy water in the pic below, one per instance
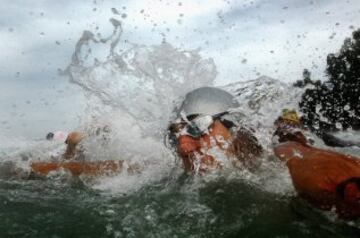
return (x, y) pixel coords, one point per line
(133, 90)
(173, 207)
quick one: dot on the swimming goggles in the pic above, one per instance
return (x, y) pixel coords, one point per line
(200, 124)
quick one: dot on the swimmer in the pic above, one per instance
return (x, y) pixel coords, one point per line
(205, 121)
(324, 178)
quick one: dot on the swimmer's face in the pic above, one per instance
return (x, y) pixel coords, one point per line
(218, 133)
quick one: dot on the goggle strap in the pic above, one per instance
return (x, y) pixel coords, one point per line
(219, 115)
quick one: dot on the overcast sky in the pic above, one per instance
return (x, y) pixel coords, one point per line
(246, 39)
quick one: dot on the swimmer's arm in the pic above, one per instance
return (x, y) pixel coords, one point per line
(246, 146)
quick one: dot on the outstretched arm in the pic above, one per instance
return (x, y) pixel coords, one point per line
(73, 139)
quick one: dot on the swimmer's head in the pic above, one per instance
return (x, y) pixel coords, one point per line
(290, 115)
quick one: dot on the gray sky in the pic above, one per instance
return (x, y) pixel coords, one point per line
(245, 38)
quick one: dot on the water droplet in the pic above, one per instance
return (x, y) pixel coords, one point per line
(115, 11)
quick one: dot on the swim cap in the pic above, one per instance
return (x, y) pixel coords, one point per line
(290, 115)
(60, 136)
(207, 101)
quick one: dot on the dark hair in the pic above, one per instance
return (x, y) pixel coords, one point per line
(50, 136)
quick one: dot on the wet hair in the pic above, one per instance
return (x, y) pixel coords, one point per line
(50, 136)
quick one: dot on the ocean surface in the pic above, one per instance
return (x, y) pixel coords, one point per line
(175, 206)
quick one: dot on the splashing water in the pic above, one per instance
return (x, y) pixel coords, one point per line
(142, 82)
(138, 88)
(134, 91)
